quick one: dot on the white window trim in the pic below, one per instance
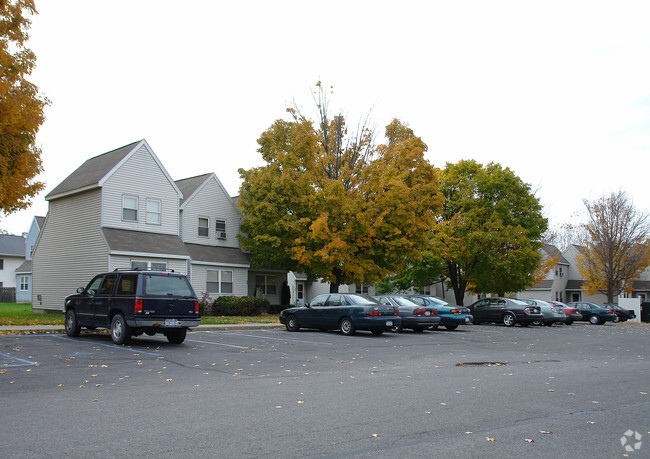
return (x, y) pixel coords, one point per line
(137, 204)
(159, 213)
(221, 234)
(200, 217)
(220, 281)
(24, 282)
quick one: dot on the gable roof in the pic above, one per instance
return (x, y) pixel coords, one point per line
(90, 173)
(40, 221)
(11, 245)
(189, 185)
(553, 251)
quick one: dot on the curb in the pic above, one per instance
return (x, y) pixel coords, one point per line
(31, 329)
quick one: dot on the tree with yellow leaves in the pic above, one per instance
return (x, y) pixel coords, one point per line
(334, 205)
(21, 109)
(617, 249)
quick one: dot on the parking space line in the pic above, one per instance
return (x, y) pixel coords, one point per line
(112, 346)
(277, 339)
(23, 362)
(217, 344)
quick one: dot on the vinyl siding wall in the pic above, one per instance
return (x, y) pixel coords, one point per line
(70, 251)
(178, 265)
(214, 203)
(140, 176)
(199, 279)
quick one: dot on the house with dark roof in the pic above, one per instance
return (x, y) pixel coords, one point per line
(24, 271)
(12, 255)
(553, 286)
(122, 209)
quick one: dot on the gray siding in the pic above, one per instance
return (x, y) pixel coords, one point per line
(212, 202)
(124, 262)
(140, 176)
(70, 249)
(199, 279)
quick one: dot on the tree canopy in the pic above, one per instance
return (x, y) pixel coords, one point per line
(21, 109)
(333, 204)
(489, 232)
(617, 247)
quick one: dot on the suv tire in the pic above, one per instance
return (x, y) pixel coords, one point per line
(120, 330)
(176, 336)
(72, 327)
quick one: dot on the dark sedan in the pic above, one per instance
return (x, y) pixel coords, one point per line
(414, 316)
(622, 314)
(345, 312)
(594, 313)
(506, 311)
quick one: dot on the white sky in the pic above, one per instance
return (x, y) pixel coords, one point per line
(558, 91)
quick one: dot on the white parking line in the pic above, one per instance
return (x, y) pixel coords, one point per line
(217, 344)
(277, 339)
(112, 346)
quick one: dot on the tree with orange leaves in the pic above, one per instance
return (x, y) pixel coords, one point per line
(21, 109)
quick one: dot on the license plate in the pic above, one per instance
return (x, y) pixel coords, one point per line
(389, 323)
(172, 323)
(427, 313)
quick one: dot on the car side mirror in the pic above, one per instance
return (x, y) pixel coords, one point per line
(80, 290)
(307, 305)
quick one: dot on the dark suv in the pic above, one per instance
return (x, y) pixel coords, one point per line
(130, 303)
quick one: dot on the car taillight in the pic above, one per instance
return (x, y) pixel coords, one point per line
(418, 312)
(196, 307)
(397, 312)
(527, 310)
(138, 306)
(373, 313)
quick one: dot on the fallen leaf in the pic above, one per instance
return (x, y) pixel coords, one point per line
(529, 440)
(60, 385)
(490, 439)
(375, 435)
(591, 422)
(643, 393)
(94, 400)
(545, 432)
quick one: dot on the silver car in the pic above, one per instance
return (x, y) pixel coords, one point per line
(551, 312)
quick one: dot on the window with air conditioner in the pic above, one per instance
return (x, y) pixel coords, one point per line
(220, 229)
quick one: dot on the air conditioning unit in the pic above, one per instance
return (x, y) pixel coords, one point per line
(221, 234)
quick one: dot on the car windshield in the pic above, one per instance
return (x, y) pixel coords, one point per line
(439, 301)
(167, 285)
(362, 299)
(519, 302)
(404, 301)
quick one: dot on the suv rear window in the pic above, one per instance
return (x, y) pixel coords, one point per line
(166, 285)
(127, 284)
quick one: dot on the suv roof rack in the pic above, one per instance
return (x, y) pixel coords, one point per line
(144, 269)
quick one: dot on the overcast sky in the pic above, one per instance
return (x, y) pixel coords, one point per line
(557, 91)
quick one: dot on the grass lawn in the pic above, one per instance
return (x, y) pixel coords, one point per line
(21, 314)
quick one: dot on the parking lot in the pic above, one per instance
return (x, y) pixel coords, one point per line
(487, 391)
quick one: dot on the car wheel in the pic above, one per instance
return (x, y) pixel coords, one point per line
(120, 330)
(451, 327)
(569, 322)
(347, 326)
(537, 323)
(616, 319)
(292, 324)
(377, 332)
(72, 327)
(176, 336)
(509, 319)
(594, 320)
(397, 328)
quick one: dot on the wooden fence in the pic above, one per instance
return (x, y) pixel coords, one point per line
(7, 294)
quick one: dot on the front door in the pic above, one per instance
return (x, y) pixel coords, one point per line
(102, 300)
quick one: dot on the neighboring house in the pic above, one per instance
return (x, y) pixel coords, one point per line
(24, 271)
(122, 210)
(12, 255)
(554, 286)
(303, 290)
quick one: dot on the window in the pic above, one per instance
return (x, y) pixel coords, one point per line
(363, 288)
(24, 283)
(204, 226)
(219, 281)
(127, 284)
(153, 211)
(130, 208)
(220, 229)
(265, 284)
(31, 250)
(2, 264)
(108, 285)
(149, 266)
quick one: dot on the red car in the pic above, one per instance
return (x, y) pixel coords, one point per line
(572, 314)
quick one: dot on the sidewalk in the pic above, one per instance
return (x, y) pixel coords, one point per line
(30, 329)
